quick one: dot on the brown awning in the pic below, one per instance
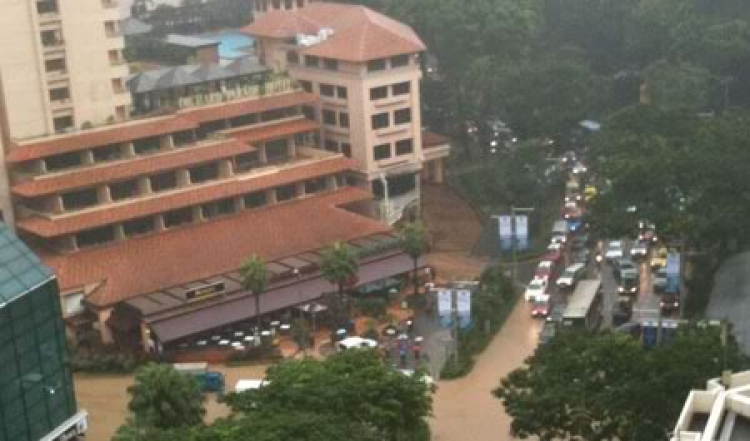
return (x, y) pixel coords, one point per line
(216, 315)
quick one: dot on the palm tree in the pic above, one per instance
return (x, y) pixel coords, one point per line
(415, 244)
(339, 266)
(255, 279)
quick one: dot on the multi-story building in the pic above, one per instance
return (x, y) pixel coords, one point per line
(37, 400)
(146, 211)
(365, 67)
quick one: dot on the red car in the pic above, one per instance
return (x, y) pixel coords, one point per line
(545, 270)
(553, 256)
(540, 309)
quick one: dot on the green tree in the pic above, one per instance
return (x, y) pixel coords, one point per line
(356, 386)
(339, 266)
(680, 85)
(415, 243)
(607, 386)
(255, 279)
(163, 398)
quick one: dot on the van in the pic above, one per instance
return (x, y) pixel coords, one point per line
(571, 275)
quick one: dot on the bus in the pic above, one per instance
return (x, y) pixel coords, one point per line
(584, 309)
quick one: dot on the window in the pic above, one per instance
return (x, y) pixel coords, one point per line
(327, 90)
(330, 64)
(331, 145)
(380, 120)
(286, 192)
(341, 92)
(147, 146)
(255, 200)
(382, 151)
(107, 153)
(275, 114)
(62, 123)
(401, 88)
(344, 120)
(205, 130)
(218, 208)
(329, 117)
(308, 112)
(203, 173)
(244, 120)
(404, 147)
(63, 161)
(378, 93)
(311, 61)
(55, 65)
(163, 181)
(123, 190)
(78, 200)
(399, 61)
(292, 57)
(288, 4)
(375, 65)
(346, 149)
(402, 116)
(95, 236)
(46, 7)
(183, 138)
(315, 185)
(277, 151)
(246, 161)
(306, 86)
(179, 217)
(136, 227)
(59, 94)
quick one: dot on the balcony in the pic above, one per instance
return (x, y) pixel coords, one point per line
(55, 76)
(48, 11)
(52, 46)
(61, 105)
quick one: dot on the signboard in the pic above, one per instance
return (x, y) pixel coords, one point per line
(522, 232)
(505, 230)
(463, 307)
(204, 292)
(445, 307)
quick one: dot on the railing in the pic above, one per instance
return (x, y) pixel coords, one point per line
(272, 87)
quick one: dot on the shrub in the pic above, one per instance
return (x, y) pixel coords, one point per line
(373, 306)
(106, 359)
(254, 354)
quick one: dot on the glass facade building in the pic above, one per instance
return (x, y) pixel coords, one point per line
(36, 386)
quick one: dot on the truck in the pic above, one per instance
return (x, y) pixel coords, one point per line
(209, 381)
(584, 309)
(670, 299)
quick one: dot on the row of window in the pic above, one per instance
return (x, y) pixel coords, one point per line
(222, 207)
(385, 63)
(383, 120)
(153, 144)
(333, 91)
(379, 93)
(384, 151)
(330, 118)
(394, 62)
(344, 148)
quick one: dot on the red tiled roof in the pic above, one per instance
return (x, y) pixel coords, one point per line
(259, 134)
(238, 108)
(430, 139)
(239, 184)
(359, 33)
(180, 158)
(97, 137)
(150, 263)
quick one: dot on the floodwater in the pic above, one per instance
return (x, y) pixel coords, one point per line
(465, 409)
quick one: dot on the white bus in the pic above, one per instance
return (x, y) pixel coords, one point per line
(584, 309)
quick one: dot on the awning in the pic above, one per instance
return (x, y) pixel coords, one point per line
(216, 315)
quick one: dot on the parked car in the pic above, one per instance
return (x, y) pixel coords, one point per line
(579, 168)
(570, 277)
(613, 250)
(540, 309)
(544, 270)
(659, 258)
(356, 343)
(639, 249)
(660, 280)
(555, 246)
(536, 291)
(647, 231)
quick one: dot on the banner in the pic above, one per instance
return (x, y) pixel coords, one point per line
(522, 232)
(505, 230)
(445, 307)
(463, 307)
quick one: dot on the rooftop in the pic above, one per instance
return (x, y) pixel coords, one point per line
(190, 41)
(138, 266)
(20, 269)
(358, 33)
(191, 74)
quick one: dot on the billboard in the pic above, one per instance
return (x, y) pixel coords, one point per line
(522, 232)
(505, 230)
(463, 307)
(445, 307)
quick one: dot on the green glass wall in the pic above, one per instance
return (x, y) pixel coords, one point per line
(36, 386)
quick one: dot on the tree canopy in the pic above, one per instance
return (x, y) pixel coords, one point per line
(608, 387)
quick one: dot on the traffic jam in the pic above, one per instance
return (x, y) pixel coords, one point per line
(629, 281)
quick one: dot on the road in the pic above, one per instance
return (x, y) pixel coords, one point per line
(465, 409)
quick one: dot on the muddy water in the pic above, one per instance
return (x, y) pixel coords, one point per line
(464, 409)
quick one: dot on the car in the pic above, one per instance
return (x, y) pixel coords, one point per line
(581, 256)
(647, 231)
(659, 258)
(613, 250)
(579, 241)
(536, 291)
(589, 193)
(660, 280)
(540, 309)
(556, 312)
(544, 270)
(554, 256)
(625, 265)
(571, 210)
(579, 168)
(555, 246)
(573, 196)
(356, 343)
(639, 249)
(570, 277)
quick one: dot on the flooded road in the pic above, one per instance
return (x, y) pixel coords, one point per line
(465, 409)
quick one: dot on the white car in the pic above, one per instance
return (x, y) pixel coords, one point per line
(356, 343)
(537, 291)
(613, 250)
(639, 249)
(555, 246)
(579, 168)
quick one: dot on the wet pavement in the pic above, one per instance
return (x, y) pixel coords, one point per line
(465, 409)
